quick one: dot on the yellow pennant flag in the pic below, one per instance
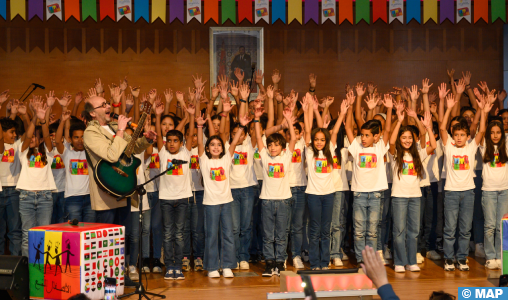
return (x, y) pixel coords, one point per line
(159, 10)
(294, 11)
(18, 7)
(430, 11)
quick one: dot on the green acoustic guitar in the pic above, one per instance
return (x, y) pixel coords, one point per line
(120, 178)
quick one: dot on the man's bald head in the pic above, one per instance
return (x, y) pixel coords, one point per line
(97, 108)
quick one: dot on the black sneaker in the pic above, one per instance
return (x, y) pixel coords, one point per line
(279, 268)
(269, 269)
(253, 258)
(157, 266)
(462, 265)
(448, 265)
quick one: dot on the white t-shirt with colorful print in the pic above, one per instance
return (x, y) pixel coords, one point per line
(369, 174)
(320, 181)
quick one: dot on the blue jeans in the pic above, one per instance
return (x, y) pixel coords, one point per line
(366, 215)
(383, 228)
(219, 217)
(134, 237)
(320, 215)
(458, 206)
(243, 205)
(338, 229)
(256, 245)
(478, 219)
(155, 223)
(274, 215)
(194, 227)
(298, 205)
(495, 205)
(58, 208)
(406, 226)
(119, 216)
(173, 221)
(35, 209)
(9, 211)
(80, 208)
(430, 221)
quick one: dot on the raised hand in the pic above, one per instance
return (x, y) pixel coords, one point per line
(432, 97)
(400, 106)
(276, 76)
(116, 94)
(223, 92)
(312, 80)
(215, 91)
(14, 106)
(371, 101)
(501, 96)
(198, 81)
(22, 109)
(240, 75)
(400, 115)
(491, 96)
(360, 90)
(223, 81)
(348, 88)
(244, 120)
(159, 108)
(269, 91)
(129, 103)
(4, 96)
(427, 121)
(450, 101)
(388, 101)
(179, 98)
(192, 95)
(122, 122)
(234, 88)
(66, 115)
(371, 88)
(460, 86)
(484, 87)
(442, 90)
(135, 91)
(450, 73)
(40, 111)
(200, 120)
(123, 84)
(466, 77)
(191, 109)
(78, 98)
(51, 98)
(259, 112)
(244, 91)
(92, 92)
(278, 95)
(425, 86)
(99, 88)
(344, 106)
(259, 76)
(168, 94)
(288, 114)
(411, 113)
(350, 97)
(414, 93)
(227, 106)
(152, 94)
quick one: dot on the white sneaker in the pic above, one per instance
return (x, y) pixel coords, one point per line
(214, 274)
(449, 265)
(433, 255)
(227, 273)
(387, 253)
(399, 269)
(491, 264)
(499, 263)
(297, 263)
(413, 268)
(479, 250)
(244, 265)
(380, 253)
(133, 273)
(337, 262)
(344, 255)
(419, 258)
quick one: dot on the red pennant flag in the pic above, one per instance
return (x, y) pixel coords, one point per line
(244, 10)
(379, 10)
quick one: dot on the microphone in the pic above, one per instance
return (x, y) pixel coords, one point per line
(175, 163)
(253, 66)
(74, 222)
(133, 125)
(38, 86)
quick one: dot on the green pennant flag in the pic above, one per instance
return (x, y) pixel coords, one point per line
(498, 8)
(88, 9)
(228, 10)
(363, 11)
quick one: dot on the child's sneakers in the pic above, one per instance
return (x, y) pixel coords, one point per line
(448, 265)
(400, 269)
(338, 262)
(344, 255)
(413, 268)
(133, 273)
(146, 265)
(170, 274)
(179, 275)
(419, 258)
(157, 266)
(462, 265)
(499, 263)
(198, 264)
(227, 273)
(244, 265)
(432, 254)
(305, 255)
(297, 263)
(380, 253)
(185, 264)
(387, 253)
(491, 264)
(479, 250)
(214, 274)
(279, 267)
(270, 265)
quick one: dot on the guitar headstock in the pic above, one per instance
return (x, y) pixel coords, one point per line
(146, 107)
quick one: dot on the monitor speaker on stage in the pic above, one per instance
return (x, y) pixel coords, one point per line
(14, 282)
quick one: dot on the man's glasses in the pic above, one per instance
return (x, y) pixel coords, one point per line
(103, 105)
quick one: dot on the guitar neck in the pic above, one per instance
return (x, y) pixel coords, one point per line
(130, 147)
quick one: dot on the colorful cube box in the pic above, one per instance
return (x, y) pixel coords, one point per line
(65, 260)
(504, 244)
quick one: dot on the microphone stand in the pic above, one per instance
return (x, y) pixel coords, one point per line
(140, 188)
(33, 89)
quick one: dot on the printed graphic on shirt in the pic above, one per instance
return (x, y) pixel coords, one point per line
(240, 158)
(194, 162)
(35, 161)
(57, 163)
(217, 174)
(276, 170)
(495, 163)
(154, 161)
(174, 169)
(408, 168)
(256, 154)
(460, 162)
(336, 163)
(368, 160)
(79, 167)
(322, 166)
(297, 156)
(8, 156)
(427, 145)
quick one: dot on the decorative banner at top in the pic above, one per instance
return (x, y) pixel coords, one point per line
(159, 10)
(244, 10)
(430, 10)
(3, 9)
(278, 10)
(71, 9)
(463, 10)
(363, 11)
(261, 11)
(35, 8)
(413, 10)
(498, 10)
(481, 10)
(328, 10)
(396, 11)
(345, 11)
(18, 8)
(176, 10)
(140, 10)
(446, 10)
(194, 10)
(294, 11)
(53, 8)
(379, 10)
(312, 10)
(107, 9)
(123, 9)
(89, 9)
(228, 11)
(211, 10)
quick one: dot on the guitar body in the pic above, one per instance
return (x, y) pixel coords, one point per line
(119, 178)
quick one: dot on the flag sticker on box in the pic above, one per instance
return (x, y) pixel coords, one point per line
(463, 11)
(262, 12)
(329, 12)
(397, 12)
(123, 10)
(54, 8)
(194, 11)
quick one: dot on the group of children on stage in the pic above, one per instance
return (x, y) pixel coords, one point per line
(408, 173)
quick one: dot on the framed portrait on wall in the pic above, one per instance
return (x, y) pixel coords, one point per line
(236, 47)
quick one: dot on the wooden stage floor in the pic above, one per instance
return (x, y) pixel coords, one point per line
(418, 285)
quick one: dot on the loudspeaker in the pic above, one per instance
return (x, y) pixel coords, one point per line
(14, 282)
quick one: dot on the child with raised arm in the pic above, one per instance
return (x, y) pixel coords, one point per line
(175, 191)
(459, 187)
(408, 170)
(369, 178)
(215, 163)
